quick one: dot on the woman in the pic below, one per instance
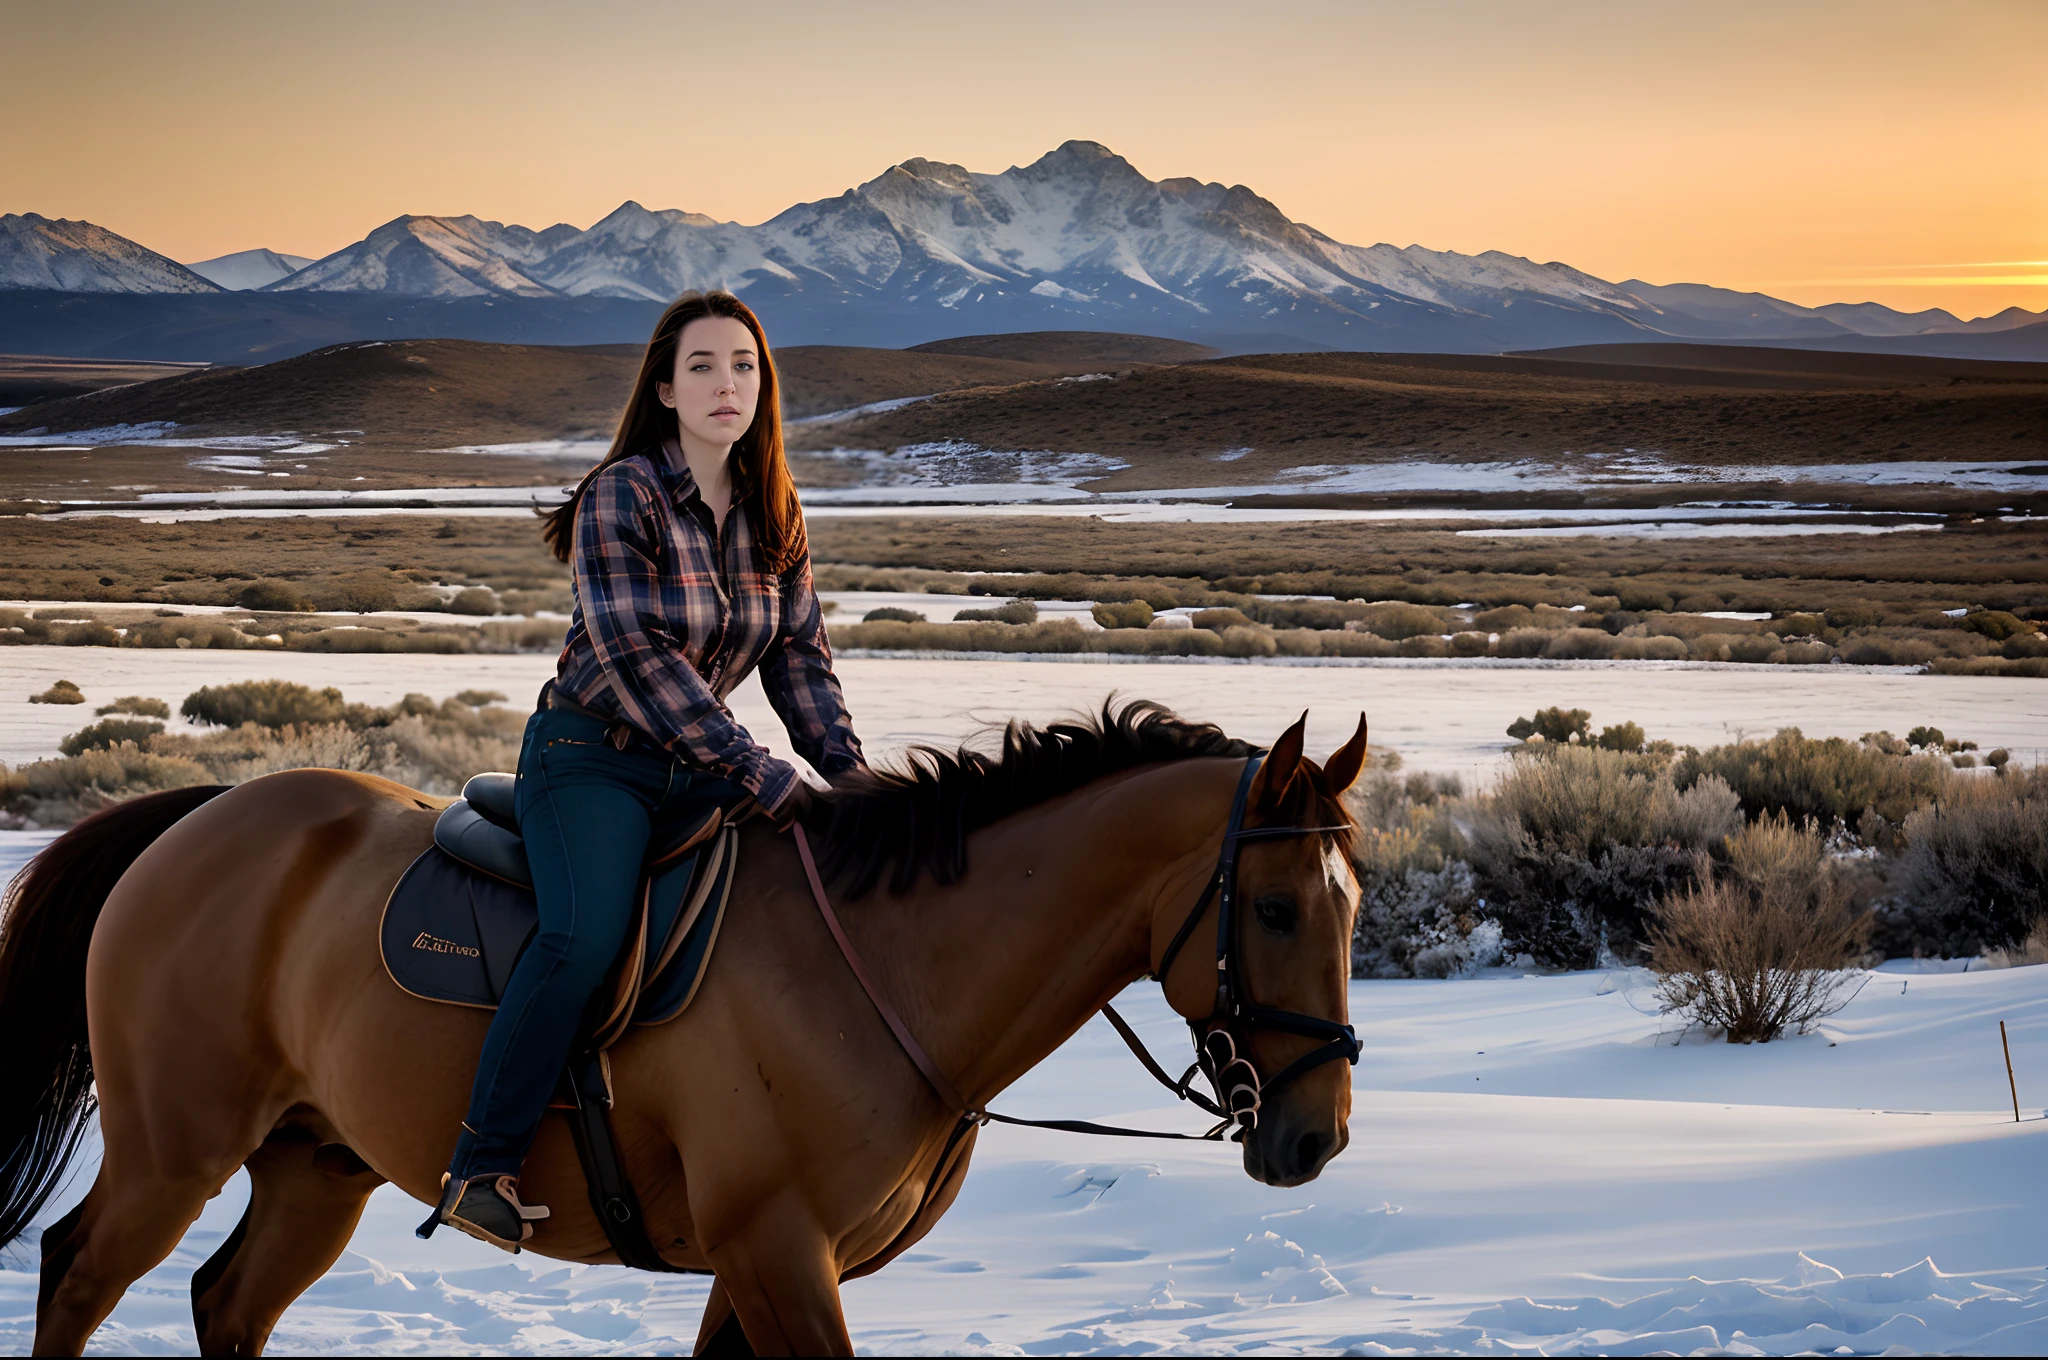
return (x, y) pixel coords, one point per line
(692, 570)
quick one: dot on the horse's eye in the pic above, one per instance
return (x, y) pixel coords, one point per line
(1276, 913)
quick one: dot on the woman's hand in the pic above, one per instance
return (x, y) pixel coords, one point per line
(793, 806)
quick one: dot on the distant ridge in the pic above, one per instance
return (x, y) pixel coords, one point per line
(1078, 240)
(246, 270)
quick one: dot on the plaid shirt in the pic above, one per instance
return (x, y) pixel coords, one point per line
(669, 620)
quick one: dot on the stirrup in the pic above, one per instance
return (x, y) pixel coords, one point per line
(487, 1208)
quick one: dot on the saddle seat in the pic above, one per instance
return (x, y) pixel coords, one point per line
(455, 925)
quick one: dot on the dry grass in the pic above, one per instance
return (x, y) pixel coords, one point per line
(1761, 950)
(1846, 582)
(213, 562)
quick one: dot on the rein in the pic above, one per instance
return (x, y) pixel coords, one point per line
(1240, 1091)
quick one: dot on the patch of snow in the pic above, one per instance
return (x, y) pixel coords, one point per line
(869, 409)
(157, 434)
(1654, 529)
(591, 449)
(956, 464)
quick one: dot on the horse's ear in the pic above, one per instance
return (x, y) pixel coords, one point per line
(1283, 763)
(1342, 769)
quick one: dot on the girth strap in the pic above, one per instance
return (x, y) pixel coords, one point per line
(604, 1169)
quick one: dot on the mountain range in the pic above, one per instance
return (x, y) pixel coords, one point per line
(1077, 240)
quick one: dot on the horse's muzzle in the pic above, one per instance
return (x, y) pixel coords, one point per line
(1294, 1141)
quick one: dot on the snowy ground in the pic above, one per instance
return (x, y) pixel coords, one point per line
(1442, 716)
(1535, 1163)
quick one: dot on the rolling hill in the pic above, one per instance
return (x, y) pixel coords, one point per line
(425, 394)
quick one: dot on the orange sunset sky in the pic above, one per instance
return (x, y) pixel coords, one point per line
(1817, 151)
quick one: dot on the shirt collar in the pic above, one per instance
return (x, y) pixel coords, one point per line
(677, 480)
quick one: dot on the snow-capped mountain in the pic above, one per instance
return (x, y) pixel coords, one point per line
(1077, 240)
(78, 257)
(1078, 237)
(436, 257)
(248, 269)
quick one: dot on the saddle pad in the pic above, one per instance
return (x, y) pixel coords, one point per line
(451, 933)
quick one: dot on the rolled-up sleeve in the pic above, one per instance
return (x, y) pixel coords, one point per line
(796, 674)
(656, 687)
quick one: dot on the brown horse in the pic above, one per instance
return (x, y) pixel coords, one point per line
(238, 1014)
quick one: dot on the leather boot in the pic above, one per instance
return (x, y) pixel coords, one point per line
(488, 1208)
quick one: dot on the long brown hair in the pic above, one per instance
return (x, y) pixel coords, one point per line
(776, 516)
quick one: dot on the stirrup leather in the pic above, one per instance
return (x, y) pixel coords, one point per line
(488, 1208)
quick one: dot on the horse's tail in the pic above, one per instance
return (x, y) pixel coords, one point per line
(46, 923)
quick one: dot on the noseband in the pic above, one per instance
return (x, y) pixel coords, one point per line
(1222, 1038)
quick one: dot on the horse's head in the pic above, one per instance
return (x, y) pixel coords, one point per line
(1294, 902)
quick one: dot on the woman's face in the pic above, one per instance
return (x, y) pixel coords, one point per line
(717, 381)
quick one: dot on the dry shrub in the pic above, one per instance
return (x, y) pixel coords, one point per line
(60, 792)
(1221, 620)
(1581, 644)
(1764, 949)
(1974, 871)
(1831, 780)
(187, 633)
(2032, 667)
(1016, 611)
(1649, 649)
(359, 592)
(109, 732)
(1576, 844)
(63, 692)
(381, 640)
(1755, 648)
(1395, 621)
(1125, 614)
(1419, 912)
(1876, 649)
(2030, 951)
(1553, 724)
(1542, 616)
(1523, 642)
(477, 600)
(273, 597)
(427, 746)
(1056, 635)
(141, 705)
(266, 703)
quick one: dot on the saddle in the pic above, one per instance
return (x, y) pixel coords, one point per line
(458, 920)
(462, 914)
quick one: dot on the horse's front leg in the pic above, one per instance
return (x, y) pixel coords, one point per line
(781, 1278)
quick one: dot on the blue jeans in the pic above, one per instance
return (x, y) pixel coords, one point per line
(586, 810)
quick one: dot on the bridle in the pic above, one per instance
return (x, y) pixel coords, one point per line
(1239, 1089)
(1220, 1056)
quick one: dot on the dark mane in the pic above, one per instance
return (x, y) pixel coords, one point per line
(917, 815)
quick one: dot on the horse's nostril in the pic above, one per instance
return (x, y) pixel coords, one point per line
(1308, 1150)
